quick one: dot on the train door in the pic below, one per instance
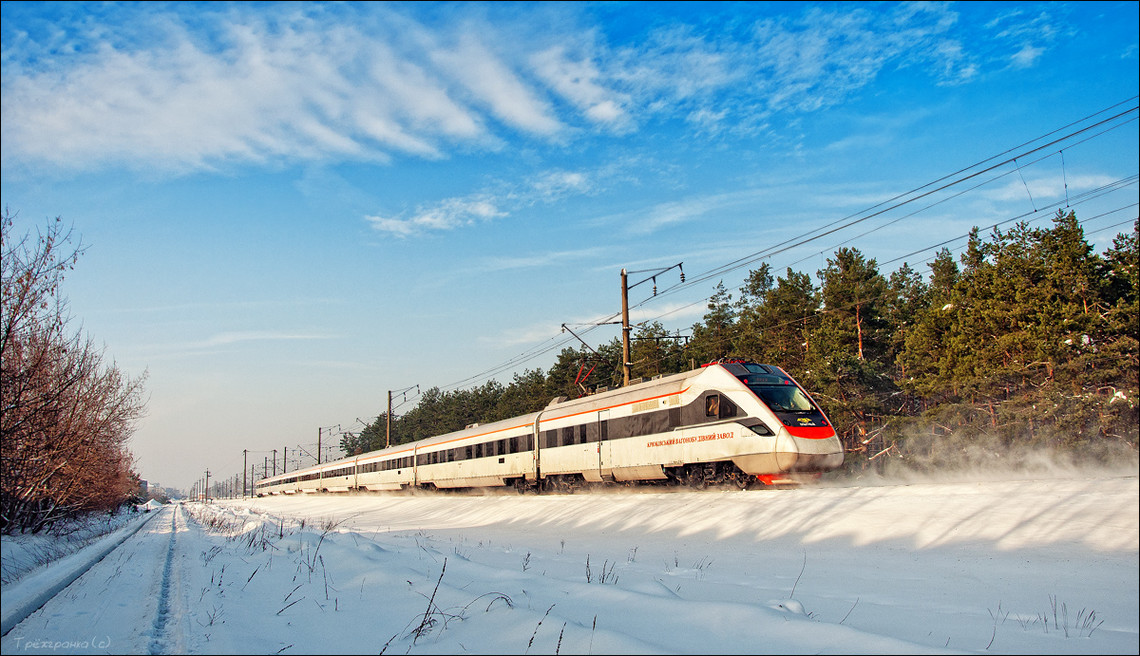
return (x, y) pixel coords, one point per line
(605, 456)
(536, 469)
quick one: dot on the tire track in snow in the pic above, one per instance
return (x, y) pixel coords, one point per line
(163, 633)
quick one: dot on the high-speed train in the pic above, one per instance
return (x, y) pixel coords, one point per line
(726, 423)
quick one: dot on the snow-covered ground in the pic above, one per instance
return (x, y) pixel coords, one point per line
(1003, 566)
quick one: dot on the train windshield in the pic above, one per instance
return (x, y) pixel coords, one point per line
(783, 398)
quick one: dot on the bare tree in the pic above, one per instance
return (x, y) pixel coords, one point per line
(66, 414)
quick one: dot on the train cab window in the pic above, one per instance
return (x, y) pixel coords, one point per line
(783, 398)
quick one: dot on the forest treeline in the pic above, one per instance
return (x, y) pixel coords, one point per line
(1028, 338)
(66, 413)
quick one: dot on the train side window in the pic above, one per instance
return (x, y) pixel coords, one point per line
(582, 434)
(502, 447)
(727, 408)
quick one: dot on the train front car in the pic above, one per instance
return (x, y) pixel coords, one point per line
(804, 440)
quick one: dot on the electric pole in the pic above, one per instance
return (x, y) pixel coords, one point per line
(319, 432)
(244, 464)
(626, 365)
(388, 437)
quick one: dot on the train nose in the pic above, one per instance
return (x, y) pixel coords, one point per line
(787, 452)
(790, 457)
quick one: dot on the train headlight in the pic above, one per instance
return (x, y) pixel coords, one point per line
(758, 427)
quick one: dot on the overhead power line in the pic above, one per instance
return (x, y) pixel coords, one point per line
(1068, 133)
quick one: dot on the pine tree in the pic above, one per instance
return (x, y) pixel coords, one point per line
(776, 326)
(713, 339)
(849, 364)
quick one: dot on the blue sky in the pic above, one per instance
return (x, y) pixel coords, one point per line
(292, 208)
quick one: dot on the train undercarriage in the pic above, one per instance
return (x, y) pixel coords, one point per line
(699, 476)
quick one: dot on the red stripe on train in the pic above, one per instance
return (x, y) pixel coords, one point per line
(812, 432)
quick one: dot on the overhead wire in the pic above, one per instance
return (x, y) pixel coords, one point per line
(887, 293)
(899, 200)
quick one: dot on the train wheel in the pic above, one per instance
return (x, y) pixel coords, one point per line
(559, 485)
(699, 476)
(522, 486)
(740, 480)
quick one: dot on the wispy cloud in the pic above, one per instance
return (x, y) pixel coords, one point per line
(447, 214)
(258, 88)
(225, 342)
(549, 258)
(229, 338)
(1037, 188)
(239, 84)
(451, 213)
(579, 80)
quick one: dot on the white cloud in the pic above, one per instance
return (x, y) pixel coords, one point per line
(555, 185)
(491, 81)
(1027, 56)
(220, 341)
(693, 208)
(225, 339)
(580, 82)
(448, 214)
(370, 82)
(1043, 188)
(452, 213)
(540, 259)
(249, 93)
